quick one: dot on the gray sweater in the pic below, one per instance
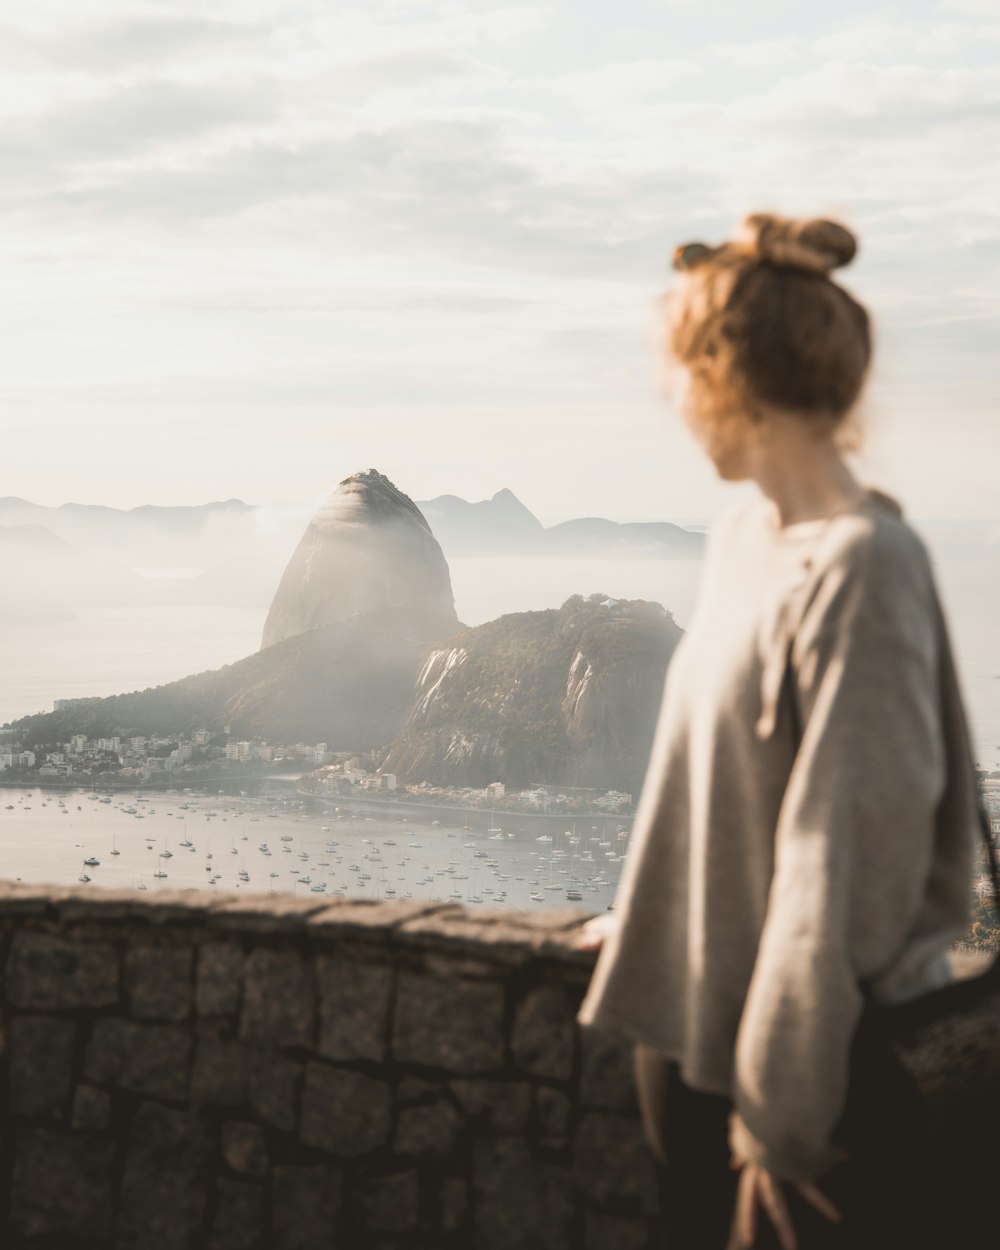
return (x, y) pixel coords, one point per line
(766, 877)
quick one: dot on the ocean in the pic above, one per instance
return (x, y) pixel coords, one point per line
(170, 840)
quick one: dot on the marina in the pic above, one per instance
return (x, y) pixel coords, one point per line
(298, 845)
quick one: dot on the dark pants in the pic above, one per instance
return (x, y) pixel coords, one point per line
(891, 1192)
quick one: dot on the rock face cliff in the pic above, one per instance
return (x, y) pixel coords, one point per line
(367, 549)
(567, 696)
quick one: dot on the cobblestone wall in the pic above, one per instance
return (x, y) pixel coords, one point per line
(252, 1071)
(249, 1071)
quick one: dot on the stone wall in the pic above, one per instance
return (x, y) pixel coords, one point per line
(227, 1071)
(235, 1071)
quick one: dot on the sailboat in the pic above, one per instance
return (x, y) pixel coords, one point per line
(494, 828)
(114, 844)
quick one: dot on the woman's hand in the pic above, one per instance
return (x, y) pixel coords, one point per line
(758, 1190)
(592, 934)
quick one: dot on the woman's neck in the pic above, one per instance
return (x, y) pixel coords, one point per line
(803, 476)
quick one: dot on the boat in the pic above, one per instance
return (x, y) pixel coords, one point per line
(574, 894)
(160, 873)
(92, 861)
(83, 877)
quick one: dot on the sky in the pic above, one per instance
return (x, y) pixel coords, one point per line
(249, 248)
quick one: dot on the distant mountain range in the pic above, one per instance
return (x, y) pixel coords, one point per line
(362, 649)
(232, 554)
(504, 526)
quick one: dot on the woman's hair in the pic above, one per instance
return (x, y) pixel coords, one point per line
(759, 320)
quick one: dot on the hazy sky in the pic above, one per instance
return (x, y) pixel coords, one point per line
(251, 247)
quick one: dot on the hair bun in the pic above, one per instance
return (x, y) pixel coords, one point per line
(812, 244)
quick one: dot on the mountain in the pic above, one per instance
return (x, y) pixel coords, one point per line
(45, 578)
(349, 685)
(148, 536)
(504, 526)
(595, 536)
(498, 526)
(366, 549)
(352, 656)
(567, 696)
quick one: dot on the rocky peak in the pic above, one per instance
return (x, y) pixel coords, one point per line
(367, 548)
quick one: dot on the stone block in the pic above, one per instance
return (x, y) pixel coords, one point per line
(364, 918)
(499, 1106)
(543, 1036)
(152, 1059)
(219, 1074)
(344, 1111)
(158, 982)
(61, 1186)
(412, 1088)
(238, 1223)
(173, 908)
(456, 1025)
(610, 1232)
(541, 1217)
(428, 1129)
(454, 1203)
(494, 945)
(606, 1079)
(91, 1108)
(553, 1110)
(279, 999)
(391, 1204)
(273, 1087)
(49, 972)
(354, 1007)
(257, 914)
(244, 1147)
(219, 980)
(305, 1208)
(39, 1065)
(19, 899)
(611, 1161)
(164, 1188)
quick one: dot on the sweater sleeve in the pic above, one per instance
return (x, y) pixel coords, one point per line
(853, 847)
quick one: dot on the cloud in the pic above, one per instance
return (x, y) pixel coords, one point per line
(627, 84)
(126, 44)
(450, 187)
(130, 121)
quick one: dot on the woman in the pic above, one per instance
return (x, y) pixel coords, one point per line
(806, 830)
